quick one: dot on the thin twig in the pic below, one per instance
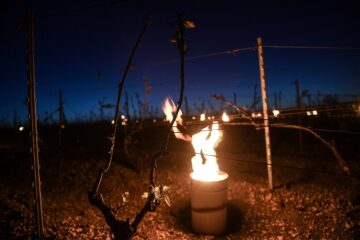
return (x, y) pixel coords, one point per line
(102, 171)
(152, 202)
(120, 229)
(181, 48)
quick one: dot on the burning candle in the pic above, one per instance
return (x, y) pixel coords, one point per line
(209, 205)
(208, 183)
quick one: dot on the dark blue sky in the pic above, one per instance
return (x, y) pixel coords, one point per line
(74, 41)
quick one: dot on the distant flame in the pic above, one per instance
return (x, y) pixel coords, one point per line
(204, 162)
(168, 108)
(276, 112)
(225, 117)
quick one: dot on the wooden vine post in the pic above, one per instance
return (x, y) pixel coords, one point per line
(265, 112)
(33, 124)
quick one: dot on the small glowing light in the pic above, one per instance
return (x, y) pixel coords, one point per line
(62, 126)
(21, 128)
(123, 117)
(256, 115)
(202, 117)
(308, 113)
(113, 122)
(123, 123)
(209, 118)
(154, 120)
(225, 117)
(276, 112)
(193, 118)
(314, 112)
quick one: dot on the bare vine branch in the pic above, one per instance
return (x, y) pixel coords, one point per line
(102, 171)
(330, 145)
(345, 168)
(153, 201)
(124, 229)
(180, 26)
(120, 229)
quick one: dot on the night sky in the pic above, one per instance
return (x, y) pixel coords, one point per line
(82, 48)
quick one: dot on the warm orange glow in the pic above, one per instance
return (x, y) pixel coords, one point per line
(276, 112)
(256, 115)
(202, 117)
(204, 162)
(168, 108)
(225, 117)
(204, 144)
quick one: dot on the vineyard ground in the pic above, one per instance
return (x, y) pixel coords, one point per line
(311, 199)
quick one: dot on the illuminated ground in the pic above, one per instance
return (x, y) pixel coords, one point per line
(304, 204)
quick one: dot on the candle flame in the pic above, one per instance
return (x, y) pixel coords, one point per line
(168, 108)
(225, 117)
(204, 144)
(204, 162)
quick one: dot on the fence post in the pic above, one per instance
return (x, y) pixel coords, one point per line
(61, 118)
(265, 112)
(33, 121)
(299, 106)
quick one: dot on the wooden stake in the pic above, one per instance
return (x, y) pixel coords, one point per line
(299, 106)
(33, 121)
(265, 112)
(127, 110)
(61, 118)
